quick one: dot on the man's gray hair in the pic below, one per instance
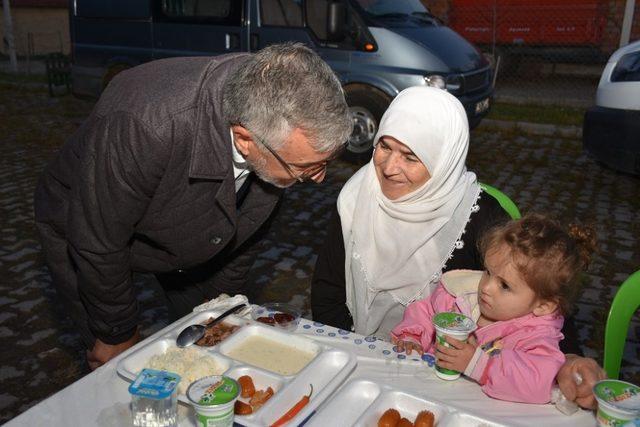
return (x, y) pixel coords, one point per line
(288, 86)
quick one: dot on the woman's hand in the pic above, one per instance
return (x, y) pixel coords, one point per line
(407, 345)
(588, 372)
(101, 352)
(456, 357)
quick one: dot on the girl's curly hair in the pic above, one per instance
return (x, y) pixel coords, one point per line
(549, 256)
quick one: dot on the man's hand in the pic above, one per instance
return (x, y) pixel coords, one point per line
(101, 353)
(456, 357)
(407, 345)
(585, 369)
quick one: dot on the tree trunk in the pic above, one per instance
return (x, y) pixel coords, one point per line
(8, 36)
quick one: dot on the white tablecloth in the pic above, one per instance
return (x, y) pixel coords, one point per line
(101, 398)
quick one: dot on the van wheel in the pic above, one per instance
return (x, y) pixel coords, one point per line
(112, 71)
(367, 105)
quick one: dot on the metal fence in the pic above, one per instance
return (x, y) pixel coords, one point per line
(545, 51)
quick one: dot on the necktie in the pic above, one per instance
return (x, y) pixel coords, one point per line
(243, 190)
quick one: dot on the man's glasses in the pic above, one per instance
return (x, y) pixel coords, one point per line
(307, 172)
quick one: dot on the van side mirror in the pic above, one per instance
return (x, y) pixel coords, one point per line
(336, 18)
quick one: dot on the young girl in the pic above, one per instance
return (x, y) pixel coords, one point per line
(518, 302)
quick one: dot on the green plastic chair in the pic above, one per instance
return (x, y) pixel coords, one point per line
(624, 305)
(504, 200)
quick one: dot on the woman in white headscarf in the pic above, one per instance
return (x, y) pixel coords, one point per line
(413, 212)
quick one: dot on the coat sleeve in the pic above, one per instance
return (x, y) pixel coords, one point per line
(525, 373)
(416, 324)
(119, 170)
(328, 294)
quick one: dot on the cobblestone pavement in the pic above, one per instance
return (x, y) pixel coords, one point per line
(41, 353)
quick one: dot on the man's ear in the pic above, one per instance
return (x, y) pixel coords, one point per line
(242, 139)
(544, 307)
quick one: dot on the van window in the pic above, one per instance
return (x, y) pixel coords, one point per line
(317, 17)
(386, 7)
(281, 13)
(201, 10)
(112, 9)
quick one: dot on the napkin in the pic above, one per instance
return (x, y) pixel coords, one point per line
(224, 302)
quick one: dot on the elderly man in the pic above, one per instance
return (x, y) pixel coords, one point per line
(176, 172)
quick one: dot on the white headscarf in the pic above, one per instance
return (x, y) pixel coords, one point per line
(400, 246)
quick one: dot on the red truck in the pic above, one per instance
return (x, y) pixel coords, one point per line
(570, 30)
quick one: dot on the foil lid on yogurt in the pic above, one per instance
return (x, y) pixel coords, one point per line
(213, 390)
(454, 322)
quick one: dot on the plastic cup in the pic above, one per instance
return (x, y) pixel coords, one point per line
(455, 325)
(618, 402)
(213, 399)
(154, 399)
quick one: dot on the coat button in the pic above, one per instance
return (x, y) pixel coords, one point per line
(215, 240)
(180, 270)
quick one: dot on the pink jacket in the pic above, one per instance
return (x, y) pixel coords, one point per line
(516, 360)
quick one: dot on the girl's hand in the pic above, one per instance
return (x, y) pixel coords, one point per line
(458, 356)
(407, 345)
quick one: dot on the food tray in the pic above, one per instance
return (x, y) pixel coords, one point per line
(326, 371)
(362, 402)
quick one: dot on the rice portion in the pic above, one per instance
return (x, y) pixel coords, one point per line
(189, 363)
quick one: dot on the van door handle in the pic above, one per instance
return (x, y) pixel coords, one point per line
(231, 41)
(253, 42)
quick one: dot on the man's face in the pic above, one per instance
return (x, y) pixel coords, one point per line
(298, 161)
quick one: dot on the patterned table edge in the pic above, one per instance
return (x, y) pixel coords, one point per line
(371, 346)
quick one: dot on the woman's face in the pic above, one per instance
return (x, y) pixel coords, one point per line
(399, 171)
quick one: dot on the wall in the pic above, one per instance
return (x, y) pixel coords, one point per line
(614, 10)
(49, 29)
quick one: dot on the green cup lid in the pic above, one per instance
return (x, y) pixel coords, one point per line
(454, 322)
(213, 390)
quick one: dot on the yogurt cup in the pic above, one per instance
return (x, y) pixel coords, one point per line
(618, 402)
(455, 325)
(213, 398)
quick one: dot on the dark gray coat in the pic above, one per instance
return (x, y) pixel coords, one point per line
(147, 184)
